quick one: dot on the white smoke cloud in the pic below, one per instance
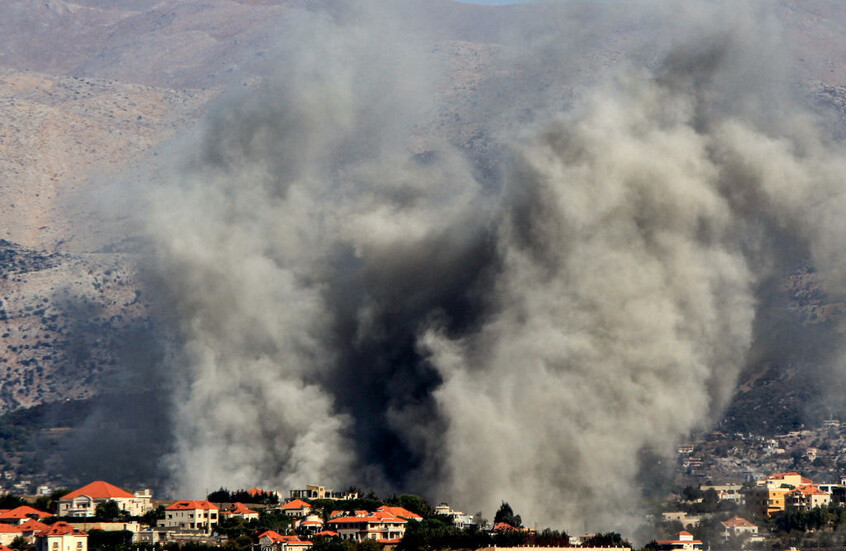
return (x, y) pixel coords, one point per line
(357, 305)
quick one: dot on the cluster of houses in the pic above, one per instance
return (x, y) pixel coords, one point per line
(770, 495)
(195, 520)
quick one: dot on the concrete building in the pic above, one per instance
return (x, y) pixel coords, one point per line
(296, 508)
(738, 526)
(684, 541)
(196, 515)
(313, 491)
(62, 537)
(20, 515)
(381, 526)
(274, 541)
(83, 502)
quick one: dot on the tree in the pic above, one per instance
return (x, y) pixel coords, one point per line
(108, 510)
(19, 543)
(152, 517)
(506, 514)
(415, 504)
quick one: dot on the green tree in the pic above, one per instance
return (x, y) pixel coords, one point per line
(108, 510)
(415, 504)
(152, 517)
(19, 543)
(506, 514)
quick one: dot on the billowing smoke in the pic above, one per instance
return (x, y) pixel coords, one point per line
(363, 296)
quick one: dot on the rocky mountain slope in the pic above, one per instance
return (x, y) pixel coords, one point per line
(89, 89)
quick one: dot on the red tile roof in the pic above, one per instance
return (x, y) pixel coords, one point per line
(400, 512)
(33, 526)
(295, 504)
(99, 490)
(810, 489)
(9, 528)
(62, 529)
(239, 508)
(188, 504)
(503, 527)
(24, 511)
(327, 533)
(255, 491)
(737, 521)
(276, 537)
(4, 548)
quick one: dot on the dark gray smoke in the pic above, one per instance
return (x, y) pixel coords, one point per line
(485, 282)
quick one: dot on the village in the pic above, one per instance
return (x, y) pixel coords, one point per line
(772, 512)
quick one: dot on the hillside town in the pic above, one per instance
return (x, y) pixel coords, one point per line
(780, 510)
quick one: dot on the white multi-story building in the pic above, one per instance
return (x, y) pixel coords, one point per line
(83, 502)
(191, 515)
(62, 537)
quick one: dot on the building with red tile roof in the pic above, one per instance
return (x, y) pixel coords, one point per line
(296, 508)
(310, 524)
(684, 542)
(238, 509)
(379, 525)
(808, 496)
(400, 512)
(784, 480)
(83, 501)
(8, 533)
(738, 526)
(274, 541)
(21, 514)
(62, 537)
(200, 516)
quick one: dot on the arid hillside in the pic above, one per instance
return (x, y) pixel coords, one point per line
(91, 89)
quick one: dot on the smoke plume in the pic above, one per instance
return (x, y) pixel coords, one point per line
(363, 296)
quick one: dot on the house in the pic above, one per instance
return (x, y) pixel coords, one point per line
(197, 515)
(8, 533)
(458, 518)
(274, 541)
(83, 502)
(310, 524)
(296, 508)
(683, 541)
(238, 509)
(738, 526)
(400, 512)
(784, 480)
(20, 515)
(313, 491)
(62, 537)
(381, 526)
(682, 516)
(808, 496)
(31, 528)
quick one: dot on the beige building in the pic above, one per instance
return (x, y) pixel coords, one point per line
(808, 497)
(274, 541)
(738, 526)
(784, 480)
(313, 491)
(83, 502)
(684, 542)
(296, 508)
(382, 526)
(200, 516)
(62, 537)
